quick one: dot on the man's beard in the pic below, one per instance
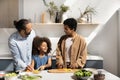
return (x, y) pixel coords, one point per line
(27, 34)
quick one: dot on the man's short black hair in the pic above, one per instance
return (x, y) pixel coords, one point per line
(21, 24)
(71, 23)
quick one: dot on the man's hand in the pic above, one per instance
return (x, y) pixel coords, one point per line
(29, 68)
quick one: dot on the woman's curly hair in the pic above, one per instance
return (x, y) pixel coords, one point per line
(37, 41)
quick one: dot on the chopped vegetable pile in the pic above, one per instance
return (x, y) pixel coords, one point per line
(83, 73)
(35, 71)
(10, 74)
(28, 77)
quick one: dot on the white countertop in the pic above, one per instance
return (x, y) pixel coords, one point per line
(6, 55)
(94, 57)
(69, 76)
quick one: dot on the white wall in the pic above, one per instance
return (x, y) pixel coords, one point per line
(34, 8)
(20, 8)
(105, 8)
(105, 44)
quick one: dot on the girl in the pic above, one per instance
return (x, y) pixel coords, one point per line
(41, 49)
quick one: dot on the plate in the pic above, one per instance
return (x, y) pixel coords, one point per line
(25, 73)
(35, 72)
(30, 77)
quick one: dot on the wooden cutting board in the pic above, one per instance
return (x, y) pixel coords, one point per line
(62, 70)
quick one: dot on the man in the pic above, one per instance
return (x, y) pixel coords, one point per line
(20, 44)
(71, 51)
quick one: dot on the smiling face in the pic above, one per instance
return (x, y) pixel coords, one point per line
(67, 30)
(43, 47)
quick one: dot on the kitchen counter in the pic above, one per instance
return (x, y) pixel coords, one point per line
(6, 56)
(93, 61)
(69, 76)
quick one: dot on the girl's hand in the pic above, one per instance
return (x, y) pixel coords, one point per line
(42, 67)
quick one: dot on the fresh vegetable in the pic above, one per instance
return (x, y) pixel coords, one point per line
(10, 74)
(35, 71)
(28, 77)
(83, 73)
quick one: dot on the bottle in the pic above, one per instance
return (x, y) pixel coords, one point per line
(43, 17)
(57, 18)
(88, 18)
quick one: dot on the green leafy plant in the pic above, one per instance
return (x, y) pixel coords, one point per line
(52, 8)
(86, 15)
(63, 8)
(87, 10)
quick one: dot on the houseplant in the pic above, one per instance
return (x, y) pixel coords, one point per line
(60, 12)
(55, 11)
(86, 13)
(52, 8)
